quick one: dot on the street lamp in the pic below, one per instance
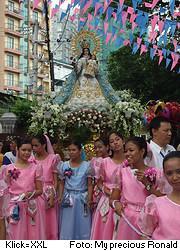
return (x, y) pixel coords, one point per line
(8, 121)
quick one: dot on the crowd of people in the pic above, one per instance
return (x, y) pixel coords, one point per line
(129, 191)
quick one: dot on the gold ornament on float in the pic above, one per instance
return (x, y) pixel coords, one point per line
(85, 39)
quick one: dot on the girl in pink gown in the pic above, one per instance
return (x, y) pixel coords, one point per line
(23, 212)
(101, 150)
(45, 156)
(103, 222)
(160, 218)
(3, 199)
(133, 189)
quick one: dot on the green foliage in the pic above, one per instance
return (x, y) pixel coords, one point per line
(82, 134)
(22, 108)
(144, 77)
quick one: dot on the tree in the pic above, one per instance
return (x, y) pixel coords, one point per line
(143, 76)
(23, 108)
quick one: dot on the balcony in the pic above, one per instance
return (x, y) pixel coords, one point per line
(13, 12)
(12, 86)
(15, 68)
(13, 48)
(12, 29)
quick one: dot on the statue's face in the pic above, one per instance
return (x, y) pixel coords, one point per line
(86, 52)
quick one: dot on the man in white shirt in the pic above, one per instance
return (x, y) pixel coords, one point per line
(160, 132)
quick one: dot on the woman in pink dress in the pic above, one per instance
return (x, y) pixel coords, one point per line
(160, 218)
(101, 150)
(23, 212)
(3, 195)
(133, 189)
(103, 222)
(44, 155)
(2, 221)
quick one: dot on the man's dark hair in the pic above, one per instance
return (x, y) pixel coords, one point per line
(156, 123)
(171, 155)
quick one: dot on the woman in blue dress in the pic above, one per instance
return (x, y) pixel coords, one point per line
(75, 196)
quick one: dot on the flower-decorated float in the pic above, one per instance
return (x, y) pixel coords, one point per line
(87, 106)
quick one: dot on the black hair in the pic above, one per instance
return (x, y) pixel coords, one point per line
(156, 123)
(171, 155)
(109, 134)
(104, 141)
(140, 142)
(82, 54)
(54, 140)
(41, 138)
(22, 141)
(76, 143)
(115, 132)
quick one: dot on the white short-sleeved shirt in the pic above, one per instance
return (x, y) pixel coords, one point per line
(158, 154)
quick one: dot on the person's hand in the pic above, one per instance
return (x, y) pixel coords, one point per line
(140, 177)
(118, 207)
(107, 191)
(90, 204)
(51, 201)
(27, 195)
(59, 200)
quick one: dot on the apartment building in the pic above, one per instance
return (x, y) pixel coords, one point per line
(22, 54)
(10, 53)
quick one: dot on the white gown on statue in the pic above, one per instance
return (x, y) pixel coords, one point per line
(87, 90)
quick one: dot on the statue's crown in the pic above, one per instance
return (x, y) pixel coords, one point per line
(85, 44)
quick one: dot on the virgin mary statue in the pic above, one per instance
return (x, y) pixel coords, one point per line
(87, 86)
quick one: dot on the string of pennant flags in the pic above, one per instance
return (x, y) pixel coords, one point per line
(155, 30)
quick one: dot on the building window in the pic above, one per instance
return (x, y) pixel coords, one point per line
(10, 60)
(10, 79)
(10, 24)
(10, 42)
(10, 5)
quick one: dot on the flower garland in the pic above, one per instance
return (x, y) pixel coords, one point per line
(58, 121)
(48, 118)
(127, 115)
(96, 121)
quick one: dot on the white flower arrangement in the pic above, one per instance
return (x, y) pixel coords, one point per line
(96, 121)
(128, 114)
(48, 118)
(58, 121)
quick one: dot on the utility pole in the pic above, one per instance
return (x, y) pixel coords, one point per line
(51, 64)
(34, 73)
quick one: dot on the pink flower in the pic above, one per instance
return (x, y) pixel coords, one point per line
(68, 172)
(125, 163)
(14, 174)
(150, 174)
